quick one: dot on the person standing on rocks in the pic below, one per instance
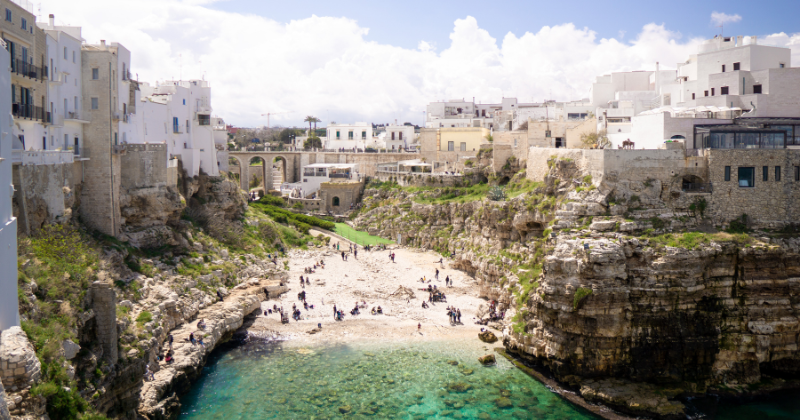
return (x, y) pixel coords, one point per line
(334, 311)
(437, 274)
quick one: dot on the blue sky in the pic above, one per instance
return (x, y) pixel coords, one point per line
(405, 23)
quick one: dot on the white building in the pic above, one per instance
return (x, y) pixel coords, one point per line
(316, 174)
(220, 142)
(729, 77)
(64, 88)
(178, 113)
(9, 309)
(348, 136)
(393, 137)
(507, 115)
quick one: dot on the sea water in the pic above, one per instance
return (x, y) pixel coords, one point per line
(429, 380)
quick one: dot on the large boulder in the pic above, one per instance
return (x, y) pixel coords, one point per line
(487, 359)
(487, 337)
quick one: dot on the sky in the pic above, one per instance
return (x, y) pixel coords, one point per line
(381, 61)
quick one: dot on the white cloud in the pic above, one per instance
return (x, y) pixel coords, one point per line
(324, 66)
(719, 18)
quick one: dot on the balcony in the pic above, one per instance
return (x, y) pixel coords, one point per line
(42, 157)
(75, 116)
(30, 112)
(29, 70)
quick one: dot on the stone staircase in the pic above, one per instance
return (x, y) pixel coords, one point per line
(277, 178)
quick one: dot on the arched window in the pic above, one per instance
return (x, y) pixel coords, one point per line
(336, 201)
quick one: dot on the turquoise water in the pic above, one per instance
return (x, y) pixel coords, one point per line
(260, 380)
(783, 405)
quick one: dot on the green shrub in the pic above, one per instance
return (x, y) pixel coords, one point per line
(580, 295)
(272, 201)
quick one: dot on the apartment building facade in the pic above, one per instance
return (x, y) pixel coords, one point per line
(178, 113)
(65, 86)
(27, 47)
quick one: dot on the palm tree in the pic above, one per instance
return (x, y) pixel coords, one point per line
(316, 120)
(310, 119)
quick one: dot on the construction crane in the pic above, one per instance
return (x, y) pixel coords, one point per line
(269, 114)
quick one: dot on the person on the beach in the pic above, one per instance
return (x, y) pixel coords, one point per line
(419, 326)
(191, 339)
(437, 274)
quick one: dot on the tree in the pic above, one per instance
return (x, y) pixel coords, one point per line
(312, 142)
(597, 140)
(311, 120)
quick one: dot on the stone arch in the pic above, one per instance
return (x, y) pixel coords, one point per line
(243, 184)
(691, 182)
(264, 178)
(284, 167)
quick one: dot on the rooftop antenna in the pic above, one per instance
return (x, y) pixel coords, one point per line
(180, 67)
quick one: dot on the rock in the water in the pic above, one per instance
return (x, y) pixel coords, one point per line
(503, 402)
(345, 409)
(487, 337)
(487, 359)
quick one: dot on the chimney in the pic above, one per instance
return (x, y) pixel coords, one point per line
(103, 43)
(52, 20)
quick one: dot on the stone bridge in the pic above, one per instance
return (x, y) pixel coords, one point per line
(293, 162)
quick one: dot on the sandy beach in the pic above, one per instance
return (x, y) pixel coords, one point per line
(372, 278)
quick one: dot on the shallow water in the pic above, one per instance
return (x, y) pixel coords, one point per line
(260, 380)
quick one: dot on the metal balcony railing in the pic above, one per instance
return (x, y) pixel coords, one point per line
(30, 112)
(26, 69)
(700, 188)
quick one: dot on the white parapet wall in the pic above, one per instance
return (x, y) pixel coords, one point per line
(9, 309)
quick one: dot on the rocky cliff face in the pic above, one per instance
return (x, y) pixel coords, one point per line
(625, 287)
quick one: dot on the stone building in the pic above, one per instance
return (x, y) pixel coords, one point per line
(106, 94)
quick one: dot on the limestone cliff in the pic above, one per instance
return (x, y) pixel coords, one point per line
(625, 287)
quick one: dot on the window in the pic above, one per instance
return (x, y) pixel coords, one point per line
(335, 201)
(176, 126)
(450, 146)
(706, 93)
(782, 65)
(203, 119)
(401, 136)
(66, 140)
(777, 174)
(723, 68)
(8, 15)
(723, 90)
(76, 103)
(463, 146)
(184, 101)
(392, 135)
(747, 177)
(765, 174)
(73, 56)
(756, 88)
(797, 173)
(693, 96)
(363, 134)
(350, 135)
(736, 66)
(24, 24)
(95, 74)
(95, 104)
(65, 53)
(187, 126)
(727, 173)
(337, 135)
(712, 91)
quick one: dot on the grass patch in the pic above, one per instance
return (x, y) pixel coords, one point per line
(359, 237)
